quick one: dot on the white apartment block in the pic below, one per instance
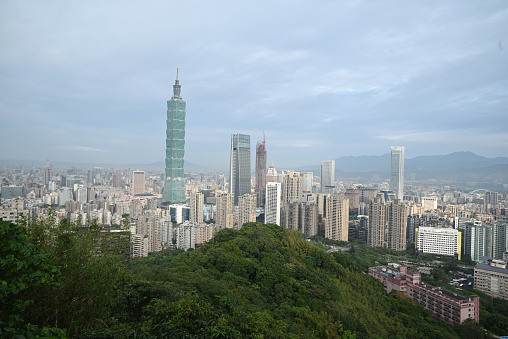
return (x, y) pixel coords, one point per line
(441, 241)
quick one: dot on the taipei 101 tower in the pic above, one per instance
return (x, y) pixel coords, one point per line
(174, 185)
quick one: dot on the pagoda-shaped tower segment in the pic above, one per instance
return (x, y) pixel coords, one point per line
(174, 185)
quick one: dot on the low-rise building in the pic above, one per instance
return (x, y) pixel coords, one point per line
(450, 307)
(491, 277)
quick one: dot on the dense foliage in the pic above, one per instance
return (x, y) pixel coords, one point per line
(259, 282)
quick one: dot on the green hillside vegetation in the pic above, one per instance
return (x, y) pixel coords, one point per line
(259, 282)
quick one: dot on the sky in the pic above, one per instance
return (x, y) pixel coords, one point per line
(88, 81)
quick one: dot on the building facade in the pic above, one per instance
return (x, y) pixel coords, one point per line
(440, 241)
(246, 209)
(174, 184)
(292, 187)
(397, 171)
(224, 214)
(239, 166)
(272, 203)
(491, 277)
(337, 217)
(260, 172)
(328, 176)
(197, 203)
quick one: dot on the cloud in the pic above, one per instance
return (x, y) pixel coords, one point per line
(81, 148)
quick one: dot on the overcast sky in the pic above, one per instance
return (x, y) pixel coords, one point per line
(88, 81)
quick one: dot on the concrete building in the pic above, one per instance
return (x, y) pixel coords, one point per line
(117, 179)
(398, 212)
(224, 214)
(309, 219)
(204, 233)
(260, 172)
(149, 224)
(246, 209)
(174, 184)
(186, 236)
(337, 217)
(292, 187)
(491, 277)
(307, 182)
(478, 240)
(290, 215)
(138, 182)
(397, 171)
(376, 236)
(440, 241)
(271, 174)
(450, 307)
(139, 245)
(239, 166)
(499, 239)
(328, 176)
(272, 203)
(197, 203)
(429, 203)
(353, 194)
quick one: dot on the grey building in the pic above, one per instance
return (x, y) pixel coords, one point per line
(397, 171)
(239, 166)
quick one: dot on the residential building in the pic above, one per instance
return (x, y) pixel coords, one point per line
(398, 212)
(117, 179)
(246, 209)
(224, 217)
(271, 174)
(292, 187)
(174, 184)
(307, 182)
(337, 217)
(491, 277)
(445, 305)
(197, 203)
(186, 236)
(376, 236)
(272, 203)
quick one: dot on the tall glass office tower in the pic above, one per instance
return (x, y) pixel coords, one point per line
(239, 166)
(174, 185)
(397, 172)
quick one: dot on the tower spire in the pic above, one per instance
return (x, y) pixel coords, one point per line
(176, 87)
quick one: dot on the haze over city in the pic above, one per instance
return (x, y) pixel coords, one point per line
(88, 82)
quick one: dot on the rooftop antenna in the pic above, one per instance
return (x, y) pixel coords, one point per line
(177, 74)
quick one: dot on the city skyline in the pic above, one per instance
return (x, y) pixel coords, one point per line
(364, 76)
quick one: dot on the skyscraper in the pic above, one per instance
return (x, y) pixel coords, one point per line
(239, 166)
(117, 179)
(174, 185)
(337, 217)
(292, 187)
(197, 202)
(308, 179)
(327, 175)
(138, 182)
(397, 172)
(260, 172)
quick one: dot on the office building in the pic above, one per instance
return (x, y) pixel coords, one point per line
(224, 214)
(491, 277)
(337, 217)
(440, 241)
(138, 182)
(397, 171)
(239, 166)
(272, 203)
(292, 187)
(197, 203)
(246, 209)
(174, 184)
(328, 176)
(307, 182)
(260, 172)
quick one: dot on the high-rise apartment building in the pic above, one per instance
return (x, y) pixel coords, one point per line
(138, 182)
(499, 239)
(224, 214)
(246, 209)
(260, 172)
(117, 179)
(197, 203)
(377, 224)
(272, 203)
(174, 184)
(328, 176)
(397, 171)
(397, 225)
(478, 240)
(337, 217)
(271, 174)
(292, 187)
(239, 166)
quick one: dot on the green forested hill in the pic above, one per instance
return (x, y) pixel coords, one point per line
(261, 282)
